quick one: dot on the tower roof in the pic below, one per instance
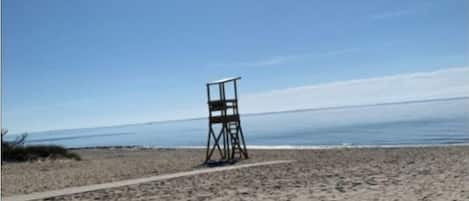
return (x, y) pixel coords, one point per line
(228, 79)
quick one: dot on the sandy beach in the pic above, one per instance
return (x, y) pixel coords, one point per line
(431, 173)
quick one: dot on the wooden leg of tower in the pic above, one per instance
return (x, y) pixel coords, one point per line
(216, 145)
(227, 137)
(224, 142)
(232, 153)
(229, 140)
(227, 144)
(207, 157)
(244, 150)
(220, 135)
(237, 141)
(235, 147)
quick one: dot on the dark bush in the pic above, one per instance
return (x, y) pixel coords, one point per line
(16, 151)
(35, 152)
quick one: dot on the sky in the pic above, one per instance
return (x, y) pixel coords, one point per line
(74, 64)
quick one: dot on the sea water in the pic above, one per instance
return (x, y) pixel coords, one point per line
(412, 123)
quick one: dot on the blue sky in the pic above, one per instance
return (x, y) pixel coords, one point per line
(71, 64)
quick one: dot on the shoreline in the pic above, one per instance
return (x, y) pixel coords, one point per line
(280, 147)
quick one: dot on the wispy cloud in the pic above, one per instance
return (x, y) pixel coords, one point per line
(391, 14)
(446, 83)
(277, 60)
(269, 61)
(341, 52)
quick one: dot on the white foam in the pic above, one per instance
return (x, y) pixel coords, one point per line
(347, 146)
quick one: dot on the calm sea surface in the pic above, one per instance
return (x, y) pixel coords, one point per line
(422, 123)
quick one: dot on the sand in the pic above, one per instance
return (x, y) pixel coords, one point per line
(433, 173)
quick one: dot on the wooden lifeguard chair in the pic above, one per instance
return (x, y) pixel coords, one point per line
(224, 116)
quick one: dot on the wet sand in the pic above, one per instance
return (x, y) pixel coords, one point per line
(432, 173)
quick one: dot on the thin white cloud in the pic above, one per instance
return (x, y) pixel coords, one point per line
(341, 52)
(391, 14)
(404, 87)
(270, 61)
(276, 60)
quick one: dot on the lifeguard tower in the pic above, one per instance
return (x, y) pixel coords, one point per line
(224, 118)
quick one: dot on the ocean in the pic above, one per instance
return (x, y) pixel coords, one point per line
(431, 122)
